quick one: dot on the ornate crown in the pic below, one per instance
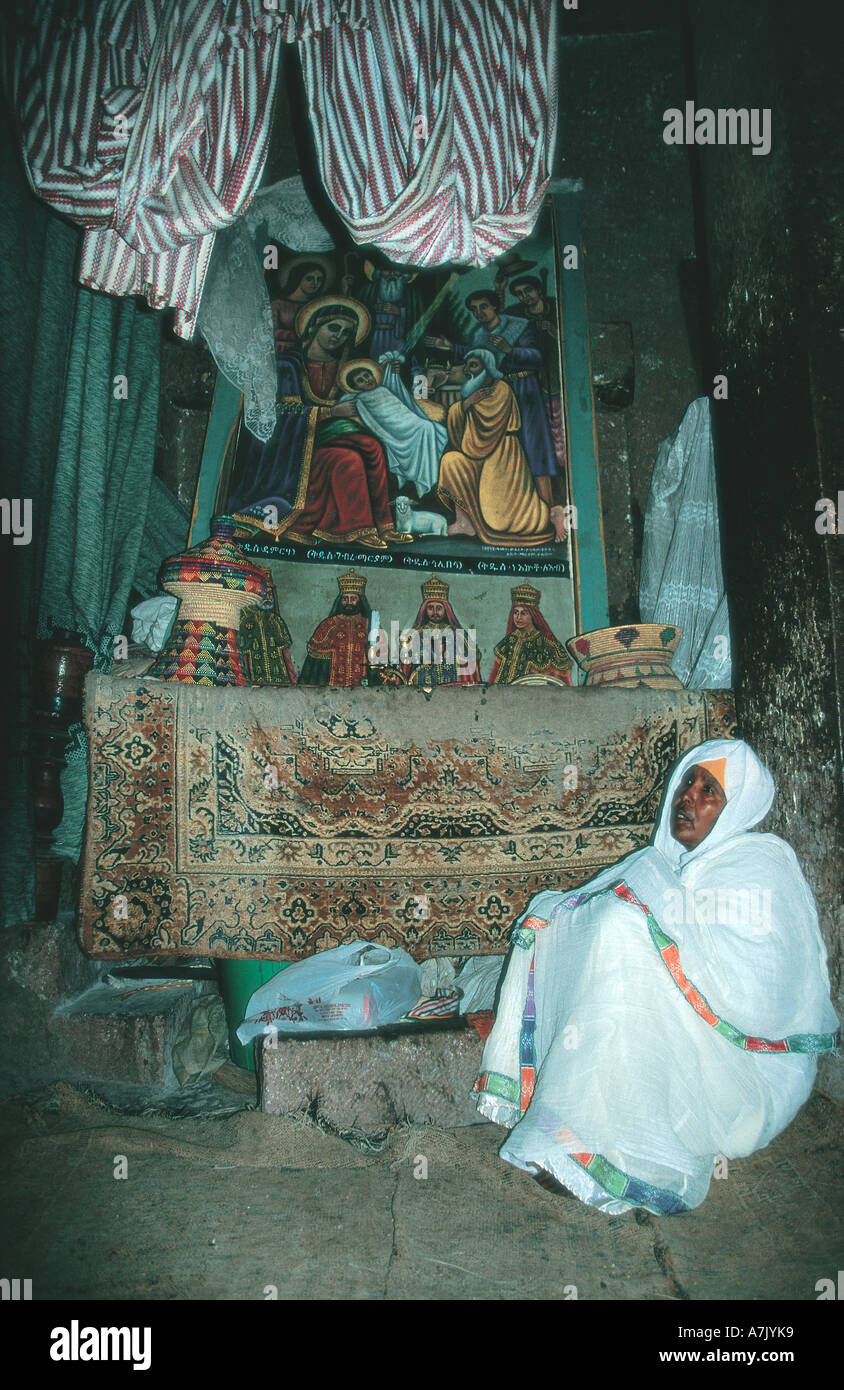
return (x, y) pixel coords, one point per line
(351, 583)
(525, 593)
(434, 588)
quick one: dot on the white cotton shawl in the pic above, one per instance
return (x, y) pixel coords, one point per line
(645, 1055)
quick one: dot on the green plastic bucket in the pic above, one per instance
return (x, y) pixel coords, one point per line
(239, 980)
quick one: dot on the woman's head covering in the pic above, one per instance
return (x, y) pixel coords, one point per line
(327, 306)
(747, 784)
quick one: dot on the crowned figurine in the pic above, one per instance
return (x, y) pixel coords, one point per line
(437, 650)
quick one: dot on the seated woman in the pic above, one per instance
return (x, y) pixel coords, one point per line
(669, 1012)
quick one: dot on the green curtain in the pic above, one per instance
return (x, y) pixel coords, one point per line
(103, 470)
(165, 534)
(82, 454)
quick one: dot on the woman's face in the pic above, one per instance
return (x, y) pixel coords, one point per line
(696, 806)
(521, 617)
(334, 333)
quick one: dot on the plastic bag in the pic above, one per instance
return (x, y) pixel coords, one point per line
(354, 987)
(478, 981)
(152, 620)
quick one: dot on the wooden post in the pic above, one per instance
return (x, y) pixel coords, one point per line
(60, 666)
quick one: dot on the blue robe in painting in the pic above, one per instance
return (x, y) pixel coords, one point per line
(268, 474)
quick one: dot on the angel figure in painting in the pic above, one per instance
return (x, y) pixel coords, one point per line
(299, 281)
(529, 647)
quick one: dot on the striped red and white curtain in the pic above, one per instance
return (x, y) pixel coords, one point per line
(435, 124)
(146, 122)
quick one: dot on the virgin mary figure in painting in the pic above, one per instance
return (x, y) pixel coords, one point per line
(321, 475)
(530, 647)
(485, 475)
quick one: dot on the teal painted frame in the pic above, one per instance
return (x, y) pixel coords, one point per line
(222, 422)
(588, 552)
(590, 578)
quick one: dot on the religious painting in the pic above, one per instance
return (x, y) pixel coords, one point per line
(421, 416)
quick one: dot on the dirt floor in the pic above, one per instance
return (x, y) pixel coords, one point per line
(229, 1203)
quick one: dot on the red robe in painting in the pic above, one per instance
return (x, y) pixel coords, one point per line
(342, 639)
(347, 493)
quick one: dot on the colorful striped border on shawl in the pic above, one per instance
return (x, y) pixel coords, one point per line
(605, 1174)
(798, 1042)
(527, 1046)
(622, 1185)
(498, 1085)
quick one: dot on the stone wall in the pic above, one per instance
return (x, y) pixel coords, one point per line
(774, 232)
(638, 230)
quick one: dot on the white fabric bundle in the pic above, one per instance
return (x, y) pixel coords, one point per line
(650, 1054)
(681, 580)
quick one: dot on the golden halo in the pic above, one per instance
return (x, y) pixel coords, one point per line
(326, 262)
(337, 302)
(353, 366)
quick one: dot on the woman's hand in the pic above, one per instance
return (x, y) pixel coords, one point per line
(342, 410)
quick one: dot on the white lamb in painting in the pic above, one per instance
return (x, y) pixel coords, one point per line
(416, 523)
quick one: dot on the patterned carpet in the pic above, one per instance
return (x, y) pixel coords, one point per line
(278, 822)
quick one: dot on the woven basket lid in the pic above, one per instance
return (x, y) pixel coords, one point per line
(654, 642)
(218, 560)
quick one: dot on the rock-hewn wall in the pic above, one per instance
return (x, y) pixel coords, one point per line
(775, 242)
(638, 231)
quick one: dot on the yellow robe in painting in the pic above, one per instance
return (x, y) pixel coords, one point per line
(486, 473)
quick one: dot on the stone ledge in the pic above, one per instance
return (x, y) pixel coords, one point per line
(97, 1038)
(365, 1083)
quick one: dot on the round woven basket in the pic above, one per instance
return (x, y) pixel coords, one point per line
(213, 581)
(634, 654)
(538, 679)
(212, 603)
